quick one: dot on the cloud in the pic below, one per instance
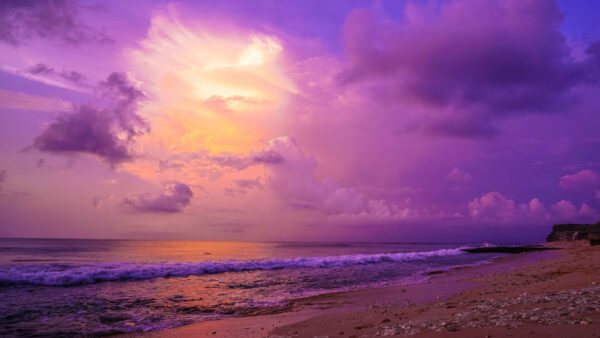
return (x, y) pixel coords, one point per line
(493, 207)
(466, 63)
(3, 175)
(106, 132)
(496, 208)
(99, 202)
(290, 176)
(17, 100)
(458, 176)
(21, 20)
(248, 183)
(293, 180)
(68, 75)
(582, 180)
(175, 197)
(237, 162)
(566, 211)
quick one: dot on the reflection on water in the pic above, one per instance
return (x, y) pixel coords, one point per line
(138, 300)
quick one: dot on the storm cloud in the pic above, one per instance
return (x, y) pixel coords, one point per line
(21, 20)
(467, 62)
(107, 132)
(175, 197)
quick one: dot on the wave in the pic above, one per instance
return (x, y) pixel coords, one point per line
(65, 275)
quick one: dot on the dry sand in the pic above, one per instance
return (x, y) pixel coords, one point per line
(538, 294)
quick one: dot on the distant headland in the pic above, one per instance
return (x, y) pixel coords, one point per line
(573, 232)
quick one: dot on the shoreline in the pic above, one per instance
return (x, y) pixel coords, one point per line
(335, 314)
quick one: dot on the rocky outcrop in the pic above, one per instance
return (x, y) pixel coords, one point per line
(507, 249)
(573, 232)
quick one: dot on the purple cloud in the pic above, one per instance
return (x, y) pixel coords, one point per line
(175, 197)
(248, 183)
(581, 180)
(71, 76)
(242, 162)
(106, 132)
(20, 20)
(467, 62)
(566, 211)
(493, 207)
(267, 157)
(2, 177)
(99, 201)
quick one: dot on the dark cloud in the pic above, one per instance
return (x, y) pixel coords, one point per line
(242, 186)
(71, 76)
(98, 202)
(248, 183)
(230, 161)
(233, 192)
(21, 20)
(106, 132)
(480, 60)
(267, 156)
(242, 162)
(164, 165)
(175, 198)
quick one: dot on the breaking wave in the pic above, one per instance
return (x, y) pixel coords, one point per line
(66, 275)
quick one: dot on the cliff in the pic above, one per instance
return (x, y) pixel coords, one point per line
(572, 232)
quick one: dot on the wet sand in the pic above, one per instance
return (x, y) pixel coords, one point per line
(538, 294)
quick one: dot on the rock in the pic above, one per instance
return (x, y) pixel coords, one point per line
(573, 232)
(507, 249)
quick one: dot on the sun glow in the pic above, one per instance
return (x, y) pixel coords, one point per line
(214, 89)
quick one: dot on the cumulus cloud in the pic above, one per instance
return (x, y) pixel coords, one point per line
(68, 75)
(458, 176)
(566, 211)
(493, 207)
(582, 180)
(293, 180)
(291, 177)
(107, 132)
(175, 197)
(469, 62)
(21, 20)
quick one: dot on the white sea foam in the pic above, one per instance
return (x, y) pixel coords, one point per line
(55, 275)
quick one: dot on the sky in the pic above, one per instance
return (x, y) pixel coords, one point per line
(431, 120)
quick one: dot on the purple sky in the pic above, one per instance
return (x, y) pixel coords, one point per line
(463, 120)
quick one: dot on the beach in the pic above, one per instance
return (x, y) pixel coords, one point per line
(538, 294)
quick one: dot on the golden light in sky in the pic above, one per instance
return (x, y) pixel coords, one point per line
(213, 90)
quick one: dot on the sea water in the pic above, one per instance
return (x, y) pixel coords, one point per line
(58, 287)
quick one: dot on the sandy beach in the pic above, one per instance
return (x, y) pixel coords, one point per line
(538, 294)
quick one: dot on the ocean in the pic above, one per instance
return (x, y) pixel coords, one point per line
(69, 287)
